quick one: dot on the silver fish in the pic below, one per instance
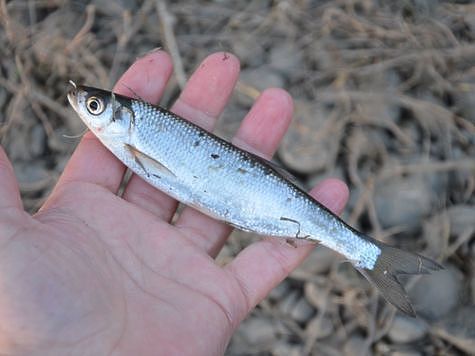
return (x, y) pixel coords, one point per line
(203, 171)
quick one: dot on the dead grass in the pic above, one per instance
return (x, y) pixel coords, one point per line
(390, 83)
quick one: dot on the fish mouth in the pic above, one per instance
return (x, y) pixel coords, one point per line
(73, 95)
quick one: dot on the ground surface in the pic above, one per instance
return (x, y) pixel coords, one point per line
(385, 99)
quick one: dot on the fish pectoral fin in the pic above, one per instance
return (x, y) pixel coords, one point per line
(150, 165)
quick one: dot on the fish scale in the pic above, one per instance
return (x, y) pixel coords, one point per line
(202, 170)
(220, 173)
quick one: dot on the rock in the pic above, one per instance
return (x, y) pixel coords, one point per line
(257, 330)
(249, 50)
(285, 57)
(296, 307)
(458, 328)
(405, 329)
(262, 78)
(311, 135)
(31, 172)
(319, 261)
(282, 348)
(17, 143)
(436, 294)
(302, 311)
(280, 291)
(403, 201)
(347, 277)
(405, 353)
(462, 219)
(356, 346)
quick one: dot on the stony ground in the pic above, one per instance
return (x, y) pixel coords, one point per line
(385, 99)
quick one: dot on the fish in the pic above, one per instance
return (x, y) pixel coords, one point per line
(204, 171)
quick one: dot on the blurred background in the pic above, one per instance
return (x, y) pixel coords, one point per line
(385, 100)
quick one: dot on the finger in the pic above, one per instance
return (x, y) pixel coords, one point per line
(91, 161)
(9, 191)
(261, 266)
(260, 132)
(202, 101)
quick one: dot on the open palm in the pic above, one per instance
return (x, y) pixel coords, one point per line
(95, 273)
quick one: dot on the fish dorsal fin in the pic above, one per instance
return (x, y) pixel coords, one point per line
(283, 172)
(279, 169)
(150, 165)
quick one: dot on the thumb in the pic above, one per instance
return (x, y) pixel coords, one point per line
(9, 191)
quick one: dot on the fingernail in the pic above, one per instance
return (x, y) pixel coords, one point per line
(156, 49)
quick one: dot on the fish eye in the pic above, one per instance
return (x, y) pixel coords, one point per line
(95, 105)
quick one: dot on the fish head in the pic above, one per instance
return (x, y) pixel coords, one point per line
(103, 112)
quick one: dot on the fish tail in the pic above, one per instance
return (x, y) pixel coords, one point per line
(393, 262)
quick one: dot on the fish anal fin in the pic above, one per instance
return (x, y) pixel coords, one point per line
(149, 164)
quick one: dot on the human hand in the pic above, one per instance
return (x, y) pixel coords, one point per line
(95, 273)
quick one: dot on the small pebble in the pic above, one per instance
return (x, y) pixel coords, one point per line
(310, 134)
(302, 311)
(280, 291)
(403, 201)
(356, 346)
(462, 219)
(249, 50)
(405, 329)
(436, 294)
(262, 78)
(459, 328)
(405, 353)
(257, 330)
(31, 172)
(282, 348)
(285, 57)
(319, 261)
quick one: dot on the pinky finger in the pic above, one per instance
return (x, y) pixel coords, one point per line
(9, 191)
